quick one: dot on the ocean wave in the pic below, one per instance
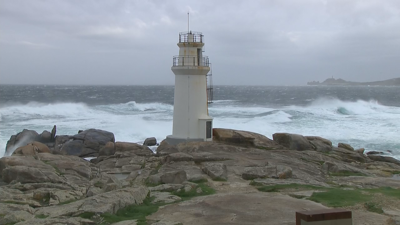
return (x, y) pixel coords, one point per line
(133, 108)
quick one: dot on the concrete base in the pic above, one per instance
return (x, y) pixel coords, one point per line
(172, 140)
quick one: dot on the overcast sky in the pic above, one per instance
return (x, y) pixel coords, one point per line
(132, 42)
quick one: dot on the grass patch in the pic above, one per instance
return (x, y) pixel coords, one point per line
(395, 172)
(134, 212)
(98, 184)
(339, 197)
(280, 187)
(202, 180)
(41, 216)
(346, 174)
(205, 190)
(86, 215)
(297, 196)
(219, 179)
(264, 148)
(372, 207)
(139, 212)
(388, 191)
(313, 161)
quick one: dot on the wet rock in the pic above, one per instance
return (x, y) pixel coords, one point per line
(360, 151)
(21, 139)
(374, 153)
(151, 141)
(45, 137)
(88, 143)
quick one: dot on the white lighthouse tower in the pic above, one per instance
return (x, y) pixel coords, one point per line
(191, 121)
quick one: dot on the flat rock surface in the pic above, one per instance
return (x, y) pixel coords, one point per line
(248, 208)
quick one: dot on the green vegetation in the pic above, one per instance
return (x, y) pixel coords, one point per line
(41, 216)
(280, 187)
(338, 197)
(372, 207)
(205, 190)
(219, 179)
(98, 184)
(346, 174)
(139, 212)
(134, 212)
(86, 215)
(388, 191)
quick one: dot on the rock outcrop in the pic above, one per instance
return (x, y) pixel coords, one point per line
(50, 185)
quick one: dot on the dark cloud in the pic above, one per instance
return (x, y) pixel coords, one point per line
(285, 42)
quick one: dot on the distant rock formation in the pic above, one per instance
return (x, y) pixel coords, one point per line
(333, 81)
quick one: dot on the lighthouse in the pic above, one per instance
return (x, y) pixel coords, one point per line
(191, 121)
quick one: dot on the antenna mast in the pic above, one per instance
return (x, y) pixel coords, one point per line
(188, 22)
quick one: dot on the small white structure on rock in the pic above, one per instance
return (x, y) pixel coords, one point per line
(191, 121)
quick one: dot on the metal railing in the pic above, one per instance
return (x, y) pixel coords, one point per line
(190, 61)
(191, 37)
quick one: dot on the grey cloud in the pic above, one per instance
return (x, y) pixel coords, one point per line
(285, 42)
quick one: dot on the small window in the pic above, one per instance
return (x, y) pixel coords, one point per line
(208, 129)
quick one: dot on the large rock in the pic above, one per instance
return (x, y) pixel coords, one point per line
(109, 202)
(87, 143)
(345, 146)
(251, 173)
(108, 149)
(244, 138)
(320, 144)
(137, 149)
(293, 141)
(165, 148)
(44, 168)
(174, 177)
(151, 141)
(21, 139)
(13, 213)
(384, 159)
(32, 149)
(217, 171)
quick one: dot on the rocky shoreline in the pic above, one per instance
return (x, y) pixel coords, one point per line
(238, 178)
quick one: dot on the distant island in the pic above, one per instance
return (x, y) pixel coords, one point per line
(333, 81)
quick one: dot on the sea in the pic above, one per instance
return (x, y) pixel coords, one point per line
(362, 116)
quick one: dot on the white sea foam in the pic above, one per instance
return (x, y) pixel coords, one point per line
(360, 123)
